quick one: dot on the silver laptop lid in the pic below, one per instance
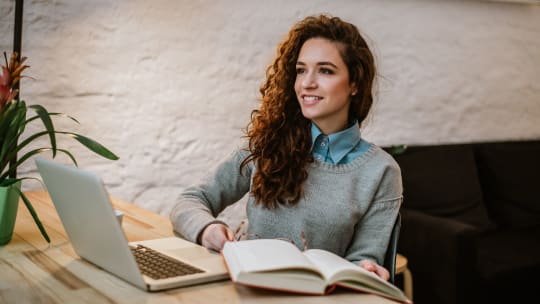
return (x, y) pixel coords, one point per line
(85, 210)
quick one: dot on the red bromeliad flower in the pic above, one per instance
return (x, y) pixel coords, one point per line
(11, 74)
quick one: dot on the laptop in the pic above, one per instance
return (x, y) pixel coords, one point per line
(85, 209)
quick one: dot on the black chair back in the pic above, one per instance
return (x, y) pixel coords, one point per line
(391, 252)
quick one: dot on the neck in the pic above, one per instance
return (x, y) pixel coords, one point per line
(327, 129)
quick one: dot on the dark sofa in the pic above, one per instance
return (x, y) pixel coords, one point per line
(471, 221)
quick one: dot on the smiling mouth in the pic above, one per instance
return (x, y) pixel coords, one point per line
(310, 99)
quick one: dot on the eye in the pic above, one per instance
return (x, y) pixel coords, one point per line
(300, 70)
(326, 71)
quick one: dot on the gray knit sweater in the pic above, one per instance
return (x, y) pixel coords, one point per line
(348, 209)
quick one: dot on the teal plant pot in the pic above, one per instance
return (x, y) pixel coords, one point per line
(9, 203)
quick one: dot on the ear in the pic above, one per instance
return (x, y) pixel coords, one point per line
(354, 89)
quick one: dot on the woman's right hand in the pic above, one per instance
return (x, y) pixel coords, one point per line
(215, 235)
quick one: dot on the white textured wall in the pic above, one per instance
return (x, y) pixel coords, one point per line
(169, 85)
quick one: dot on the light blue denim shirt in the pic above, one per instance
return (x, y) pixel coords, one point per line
(338, 148)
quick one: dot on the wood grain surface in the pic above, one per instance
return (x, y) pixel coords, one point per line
(32, 271)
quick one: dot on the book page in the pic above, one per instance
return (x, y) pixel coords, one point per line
(338, 270)
(266, 255)
(331, 265)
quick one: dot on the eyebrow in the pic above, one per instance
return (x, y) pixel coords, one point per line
(321, 63)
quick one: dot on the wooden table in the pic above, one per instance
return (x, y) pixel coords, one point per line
(32, 271)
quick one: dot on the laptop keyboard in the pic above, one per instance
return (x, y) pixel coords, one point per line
(159, 266)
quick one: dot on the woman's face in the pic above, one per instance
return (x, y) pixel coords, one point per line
(323, 86)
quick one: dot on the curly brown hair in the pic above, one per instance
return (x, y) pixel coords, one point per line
(279, 135)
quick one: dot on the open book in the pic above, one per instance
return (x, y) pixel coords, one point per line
(278, 264)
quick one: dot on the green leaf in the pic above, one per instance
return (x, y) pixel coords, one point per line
(87, 142)
(34, 216)
(397, 150)
(5, 159)
(93, 145)
(47, 122)
(12, 126)
(65, 115)
(34, 152)
(53, 114)
(6, 117)
(9, 181)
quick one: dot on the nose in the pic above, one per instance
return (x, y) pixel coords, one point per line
(309, 81)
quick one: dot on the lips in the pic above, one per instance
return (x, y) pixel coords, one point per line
(310, 99)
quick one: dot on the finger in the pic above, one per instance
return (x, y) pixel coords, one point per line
(229, 234)
(375, 268)
(368, 265)
(383, 273)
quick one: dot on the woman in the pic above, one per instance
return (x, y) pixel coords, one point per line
(311, 178)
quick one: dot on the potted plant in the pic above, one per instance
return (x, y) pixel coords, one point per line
(15, 115)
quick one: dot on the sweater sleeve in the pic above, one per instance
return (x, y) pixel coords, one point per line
(373, 231)
(199, 204)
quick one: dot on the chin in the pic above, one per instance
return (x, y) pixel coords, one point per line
(308, 115)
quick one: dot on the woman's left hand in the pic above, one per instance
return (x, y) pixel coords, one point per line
(376, 268)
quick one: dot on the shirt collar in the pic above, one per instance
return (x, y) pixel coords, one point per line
(315, 132)
(339, 143)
